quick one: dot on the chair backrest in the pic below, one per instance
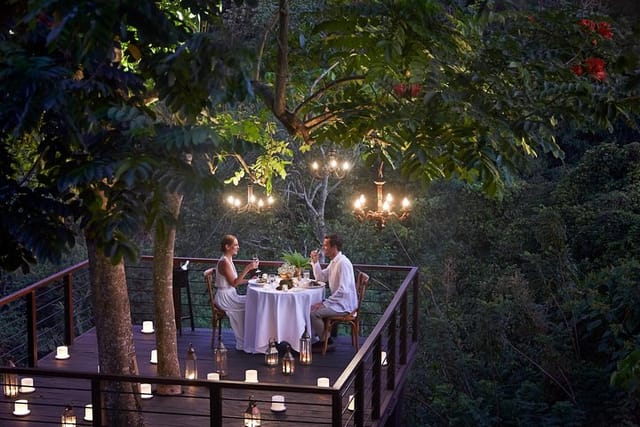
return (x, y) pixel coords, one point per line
(362, 280)
(210, 279)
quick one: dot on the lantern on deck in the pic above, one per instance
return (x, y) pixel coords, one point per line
(10, 380)
(191, 364)
(305, 348)
(271, 357)
(252, 414)
(288, 362)
(221, 359)
(68, 418)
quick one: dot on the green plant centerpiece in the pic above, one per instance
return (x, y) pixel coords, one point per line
(297, 260)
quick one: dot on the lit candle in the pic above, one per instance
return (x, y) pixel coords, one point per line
(352, 403)
(88, 412)
(213, 376)
(323, 382)
(154, 357)
(62, 352)
(21, 407)
(147, 326)
(26, 385)
(251, 376)
(145, 391)
(277, 403)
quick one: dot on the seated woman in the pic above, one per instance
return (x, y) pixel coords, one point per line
(227, 279)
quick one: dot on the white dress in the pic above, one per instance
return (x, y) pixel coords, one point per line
(232, 303)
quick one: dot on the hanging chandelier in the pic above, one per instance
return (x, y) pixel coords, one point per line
(331, 167)
(384, 209)
(253, 203)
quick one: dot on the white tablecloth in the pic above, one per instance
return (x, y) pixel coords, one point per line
(277, 314)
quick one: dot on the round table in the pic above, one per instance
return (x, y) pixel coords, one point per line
(282, 315)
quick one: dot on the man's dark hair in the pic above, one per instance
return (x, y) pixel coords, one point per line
(334, 240)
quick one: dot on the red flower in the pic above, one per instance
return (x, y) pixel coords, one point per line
(415, 90)
(595, 67)
(588, 24)
(577, 69)
(399, 89)
(604, 29)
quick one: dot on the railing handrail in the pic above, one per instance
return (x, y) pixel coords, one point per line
(42, 283)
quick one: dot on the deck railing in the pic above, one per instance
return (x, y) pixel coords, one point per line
(366, 392)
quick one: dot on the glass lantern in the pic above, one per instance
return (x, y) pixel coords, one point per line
(68, 418)
(305, 348)
(221, 359)
(288, 362)
(252, 414)
(271, 357)
(10, 380)
(191, 364)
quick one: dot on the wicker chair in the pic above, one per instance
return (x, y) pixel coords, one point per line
(353, 318)
(217, 314)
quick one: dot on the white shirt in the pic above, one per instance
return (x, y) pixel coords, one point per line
(342, 283)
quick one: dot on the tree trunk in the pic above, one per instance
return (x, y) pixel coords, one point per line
(166, 333)
(116, 350)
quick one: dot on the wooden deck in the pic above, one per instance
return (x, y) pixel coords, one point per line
(193, 407)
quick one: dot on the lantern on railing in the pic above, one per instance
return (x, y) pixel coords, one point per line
(191, 364)
(68, 418)
(221, 359)
(288, 362)
(271, 357)
(305, 348)
(252, 414)
(10, 380)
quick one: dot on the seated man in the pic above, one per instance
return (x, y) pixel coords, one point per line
(341, 280)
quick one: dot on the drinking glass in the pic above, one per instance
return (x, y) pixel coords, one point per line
(256, 259)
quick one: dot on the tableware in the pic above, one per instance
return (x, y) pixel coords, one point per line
(145, 391)
(21, 408)
(257, 282)
(88, 412)
(277, 403)
(62, 352)
(147, 327)
(26, 386)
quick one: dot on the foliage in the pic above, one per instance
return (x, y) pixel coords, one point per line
(296, 259)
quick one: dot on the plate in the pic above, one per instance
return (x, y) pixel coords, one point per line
(284, 408)
(22, 414)
(314, 284)
(257, 282)
(63, 357)
(26, 389)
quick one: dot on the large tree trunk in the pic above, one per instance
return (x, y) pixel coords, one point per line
(166, 333)
(116, 350)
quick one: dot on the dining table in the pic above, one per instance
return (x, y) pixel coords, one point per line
(276, 314)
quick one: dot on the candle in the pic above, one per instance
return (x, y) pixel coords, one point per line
(147, 326)
(26, 385)
(251, 376)
(323, 382)
(145, 391)
(213, 376)
(383, 358)
(277, 403)
(21, 407)
(88, 412)
(62, 352)
(154, 357)
(352, 403)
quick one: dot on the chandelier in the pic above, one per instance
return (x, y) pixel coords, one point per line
(253, 203)
(332, 167)
(384, 209)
